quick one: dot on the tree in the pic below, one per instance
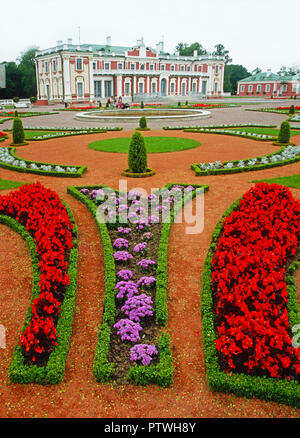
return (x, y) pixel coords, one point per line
(143, 122)
(188, 50)
(137, 154)
(234, 73)
(17, 131)
(220, 51)
(13, 81)
(26, 67)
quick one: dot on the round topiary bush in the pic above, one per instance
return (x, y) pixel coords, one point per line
(18, 132)
(143, 122)
(284, 132)
(137, 154)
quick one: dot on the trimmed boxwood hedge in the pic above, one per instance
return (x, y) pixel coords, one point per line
(266, 388)
(54, 371)
(162, 373)
(224, 171)
(77, 174)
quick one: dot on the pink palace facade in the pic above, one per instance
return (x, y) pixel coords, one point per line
(92, 73)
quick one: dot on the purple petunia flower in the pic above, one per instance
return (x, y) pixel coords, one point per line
(128, 330)
(145, 264)
(126, 231)
(143, 352)
(147, 236)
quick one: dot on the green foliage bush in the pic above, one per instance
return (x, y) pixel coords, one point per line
(137, 154)
(143, 122)
(18, 131)
(142, 105)
(292, 109)
(284, 132)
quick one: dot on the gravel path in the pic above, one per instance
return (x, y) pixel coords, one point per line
(79, 395)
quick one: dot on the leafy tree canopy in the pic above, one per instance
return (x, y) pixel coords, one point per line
(185, 49)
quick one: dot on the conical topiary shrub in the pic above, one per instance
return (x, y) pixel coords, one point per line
(18, 131)
(137, 154)
(143, 122)
(284, 132)
(292, 109)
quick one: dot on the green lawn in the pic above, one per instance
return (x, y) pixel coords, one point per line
(153, 144)
(287, 181)
(6, 185)
(264, 131)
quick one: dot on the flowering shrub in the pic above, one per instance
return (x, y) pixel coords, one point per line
(128, 330)
(146, 264)
(120, 243)
(138, 307)
(128, 288)
(122, 256)
(46, 219)
(146, 282)
(125, 274)
(140, 248)
(143, 352)
(248, 284)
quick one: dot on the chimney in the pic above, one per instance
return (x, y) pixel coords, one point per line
(108, 41)
(138, 43)
(59, 42)
(69, 41)
(195, 53)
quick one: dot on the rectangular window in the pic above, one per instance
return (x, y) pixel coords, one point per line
(127, 88)
(242, 88)
(107, 88)
(54, 65)
(142, 66)
(79, 64)
(258, 88)
(46, 66)
(151, 67)
(250, 87)
(217, 69)
(267, 88)
(172, 67)
(182, 68)
(97, 88)
(132, 66)
(106, 66)
(194, 87)
(120, 66)
(94, 66)
(162, 67)
(172, 88)
(188, 68)
(141, 88)
(79, 89)
(216, 87)
(153, 87)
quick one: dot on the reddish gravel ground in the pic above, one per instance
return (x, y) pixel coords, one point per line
(79, 395)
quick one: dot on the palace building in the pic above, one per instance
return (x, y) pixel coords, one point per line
(270, 85)
(92, 73)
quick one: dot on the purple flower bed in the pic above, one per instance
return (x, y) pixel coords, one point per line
(146, 282)
(122, 256)
(146, 265)
(138, 307)
(128, 288)
(125, 274)
(128, 330)
(120, 243)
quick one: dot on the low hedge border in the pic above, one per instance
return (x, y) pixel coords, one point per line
(149, 172)
(233, 125)
(266, 388)
(80, 169)
(69, 134)
(54, 371)
(162, 373)
(223, 171)
(223, 132)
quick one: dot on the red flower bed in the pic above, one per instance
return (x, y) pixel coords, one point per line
(249, 287)
(2, 134)
(44, 216)
(287, 107)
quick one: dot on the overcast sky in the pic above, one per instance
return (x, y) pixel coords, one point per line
(257, 33)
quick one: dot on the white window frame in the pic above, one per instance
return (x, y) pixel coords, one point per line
(172, 68)
(107, 66)
(46, 67)
(258, 88)
(54, 65)
(77, 88)
(182, 68)
(242, 88)
(132, 66)
(216, 69)
(151, 67)
(94, 65)
(120, 64)
(162, 67)
(250, 88)
(127, 88)
(79, 61)
(172, 88)
(268, 88)
(153, 87)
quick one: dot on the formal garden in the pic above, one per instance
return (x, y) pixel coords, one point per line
(150, 272)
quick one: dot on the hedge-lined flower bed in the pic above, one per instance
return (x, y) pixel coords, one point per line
(10, 161)
(228, 125)
(3, 136)
(249, 301)
(131, 344)
(286, 155)
(244, 134)
(47, 225)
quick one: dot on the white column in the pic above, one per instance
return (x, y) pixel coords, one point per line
(102, 88)
(91, 80)
(119, 85)
(67, 84)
